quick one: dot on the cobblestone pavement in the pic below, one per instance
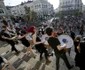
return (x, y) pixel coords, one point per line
(23, 62)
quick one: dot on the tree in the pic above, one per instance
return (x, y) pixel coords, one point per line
(27, 10)
(77, 13)
(31, 16)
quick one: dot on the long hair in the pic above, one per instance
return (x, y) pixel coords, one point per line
(31, 29)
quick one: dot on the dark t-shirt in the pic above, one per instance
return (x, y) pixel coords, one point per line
(4, 34)
(24, 40)
(54, 42)
(82, 47)
(8, 36)
(72, 35)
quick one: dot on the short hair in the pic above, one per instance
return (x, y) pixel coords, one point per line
(49, 31)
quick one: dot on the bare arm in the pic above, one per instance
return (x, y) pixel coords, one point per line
(78, 48)
(5, 66)
(20, 37)
(5, 38)
(61, 47)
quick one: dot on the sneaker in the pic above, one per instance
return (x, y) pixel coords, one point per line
(48, 62)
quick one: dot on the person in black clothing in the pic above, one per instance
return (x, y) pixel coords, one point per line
(59, 50)
(72, 35)
(6, 37)
(81, 50)
(25, 42)
(77, 56)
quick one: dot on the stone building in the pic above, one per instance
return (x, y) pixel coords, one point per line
(41, 7)
(68, 7)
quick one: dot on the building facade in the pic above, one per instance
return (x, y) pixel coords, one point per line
(41, 7)
(83, 8)
(68, 7)
(3, 10)
(20, 9)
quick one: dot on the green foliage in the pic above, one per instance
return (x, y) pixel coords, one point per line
(31, 16)
(77, 13)
(27, 10)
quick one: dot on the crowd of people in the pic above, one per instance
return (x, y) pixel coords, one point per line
(12, 34)
(70, 24)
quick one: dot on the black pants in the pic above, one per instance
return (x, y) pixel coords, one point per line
(12, 45)
(41, 49)
(63, 56)
(77, 59)
(45, 54)
(82, 61)
(82, 68)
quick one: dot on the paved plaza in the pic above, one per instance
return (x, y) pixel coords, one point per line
(23, 62)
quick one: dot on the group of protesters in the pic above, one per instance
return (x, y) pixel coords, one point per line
(74, 27)
(12, 33)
